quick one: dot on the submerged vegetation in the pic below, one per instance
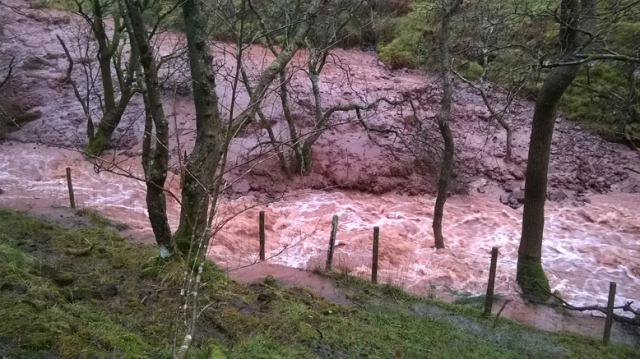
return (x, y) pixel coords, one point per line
(86, 291)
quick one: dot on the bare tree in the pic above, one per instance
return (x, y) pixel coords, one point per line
(114, 97)
(448, 8)
(155, 158)
(285, 29)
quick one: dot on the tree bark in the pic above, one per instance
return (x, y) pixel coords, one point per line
(530, 274)
(280, 63)
(296, 145)
(155, 162)
(112, 110)
(277, 146)
(446, 167)
(202, 164)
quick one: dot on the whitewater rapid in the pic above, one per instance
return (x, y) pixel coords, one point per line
(585, 246)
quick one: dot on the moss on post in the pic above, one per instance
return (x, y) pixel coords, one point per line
(532, 279)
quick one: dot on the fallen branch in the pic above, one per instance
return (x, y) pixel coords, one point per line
(618, 318)
(495, 321)
(631, 169)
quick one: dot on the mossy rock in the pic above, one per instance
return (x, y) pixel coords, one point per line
(470, 70)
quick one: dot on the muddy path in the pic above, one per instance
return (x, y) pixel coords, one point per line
(592, 235)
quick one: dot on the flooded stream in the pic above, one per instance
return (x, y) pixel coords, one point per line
(585, 246)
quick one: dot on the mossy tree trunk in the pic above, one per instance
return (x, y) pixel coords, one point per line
(577, 17)
(155, 158)
(294, 139)
(203, 163)
(446, 166)
(112, 108)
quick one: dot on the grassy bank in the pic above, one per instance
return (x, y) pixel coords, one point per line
(85, 291)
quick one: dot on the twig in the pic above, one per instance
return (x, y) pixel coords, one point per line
(495, 321)
(9, 73)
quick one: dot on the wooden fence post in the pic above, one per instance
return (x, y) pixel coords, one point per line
(332, 242)
(72, 199)
(374, 265)
(488, 303)
(262, 235)
(609, 321)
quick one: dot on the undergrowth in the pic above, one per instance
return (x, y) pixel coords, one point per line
(604, 96)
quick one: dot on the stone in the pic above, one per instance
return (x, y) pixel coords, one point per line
(504, 199)
(515, 205)
(517, 174)
(511, 186)
(557, 196)
(20, 289)
(518, 196)
(65, 279)
(60, 278)
(73, 296)
(34, 63)
(241, 186)
(28, 247)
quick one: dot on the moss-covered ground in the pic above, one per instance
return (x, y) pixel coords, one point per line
(87, 292)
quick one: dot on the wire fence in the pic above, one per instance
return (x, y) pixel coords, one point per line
(449, 274)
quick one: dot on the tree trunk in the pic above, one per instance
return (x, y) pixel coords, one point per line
(446, 167)
(530, 274)
(99, 141)
(203, 162)
(155, 164)
(112, 110)
(280, 63)
(277, 147)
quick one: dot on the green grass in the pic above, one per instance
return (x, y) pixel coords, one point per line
(238, 323)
